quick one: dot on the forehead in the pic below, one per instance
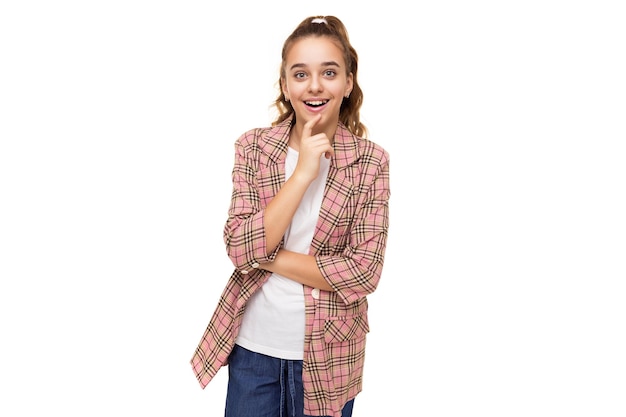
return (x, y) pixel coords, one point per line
(314, 50)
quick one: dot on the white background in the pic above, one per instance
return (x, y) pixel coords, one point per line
(503, 291)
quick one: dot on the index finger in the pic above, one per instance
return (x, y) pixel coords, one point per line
(308, 126)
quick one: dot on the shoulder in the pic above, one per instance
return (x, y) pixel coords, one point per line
(268, 136)
(370, 151)
(266, 144)
(252, 136)
(351, 149)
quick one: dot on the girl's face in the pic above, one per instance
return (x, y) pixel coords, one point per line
(316, 80)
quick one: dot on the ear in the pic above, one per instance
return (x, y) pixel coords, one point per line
(349, 85)
(283, 87)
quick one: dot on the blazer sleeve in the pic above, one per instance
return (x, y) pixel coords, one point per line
(355, 273)
(244, 233)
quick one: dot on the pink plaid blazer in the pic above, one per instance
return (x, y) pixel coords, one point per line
(349, 244)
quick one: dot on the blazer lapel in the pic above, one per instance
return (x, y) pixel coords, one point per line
(271, 175)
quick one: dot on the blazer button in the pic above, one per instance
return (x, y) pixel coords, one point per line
(243, 271)
(255, 265)
(315, 293)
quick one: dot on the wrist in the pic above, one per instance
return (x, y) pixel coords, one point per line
(300, 178)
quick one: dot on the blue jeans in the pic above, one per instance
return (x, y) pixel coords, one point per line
(263, 386)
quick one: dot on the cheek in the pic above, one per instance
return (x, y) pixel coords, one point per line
(292, 88)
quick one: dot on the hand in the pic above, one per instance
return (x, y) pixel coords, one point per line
(312, 147)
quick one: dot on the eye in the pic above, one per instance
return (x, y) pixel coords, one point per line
(330, 73)
(299, 75)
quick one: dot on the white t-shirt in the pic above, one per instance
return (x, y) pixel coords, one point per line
(273, 323)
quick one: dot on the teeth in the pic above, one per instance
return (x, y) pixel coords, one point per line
(316, 103)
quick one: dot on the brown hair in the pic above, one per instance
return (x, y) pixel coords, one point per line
(333, 28)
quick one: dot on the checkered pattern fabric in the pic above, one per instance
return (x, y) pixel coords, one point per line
(349, 245)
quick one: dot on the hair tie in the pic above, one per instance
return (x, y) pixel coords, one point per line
(319, 20)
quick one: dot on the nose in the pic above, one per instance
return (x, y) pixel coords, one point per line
(315, 86)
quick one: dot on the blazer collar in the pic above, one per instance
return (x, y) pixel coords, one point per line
(345, 144)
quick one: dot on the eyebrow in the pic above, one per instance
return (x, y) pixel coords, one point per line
(324, 64)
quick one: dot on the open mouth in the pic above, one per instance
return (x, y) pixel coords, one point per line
(316, 103)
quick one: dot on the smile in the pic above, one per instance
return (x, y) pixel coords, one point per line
(316, 103)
